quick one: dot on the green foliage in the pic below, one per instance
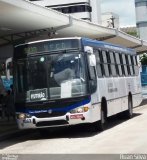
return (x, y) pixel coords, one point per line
(143, 59)
(133, 33)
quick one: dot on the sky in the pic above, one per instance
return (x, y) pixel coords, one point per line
(124, 8)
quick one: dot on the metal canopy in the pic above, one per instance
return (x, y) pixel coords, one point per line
(22, 20)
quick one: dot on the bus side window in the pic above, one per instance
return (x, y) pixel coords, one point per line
(109, 63)
(99, 65)
(136, 65)
(130, 65)
(127, 63)
(116, 56)
(122, 65)
(92, 71)
(92, 78)
(113, 65)
(133, 66)
(118, 64)
(107, 74)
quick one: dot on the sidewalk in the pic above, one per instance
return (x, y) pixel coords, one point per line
(7, 129)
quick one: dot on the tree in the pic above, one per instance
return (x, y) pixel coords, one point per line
(133, 33)
(143, 59)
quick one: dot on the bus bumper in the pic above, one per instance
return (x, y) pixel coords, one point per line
(68, 119)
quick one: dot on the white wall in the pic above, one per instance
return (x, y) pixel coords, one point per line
(58, 2)
(96, 11)
(95, 15)
(81, 15)
(141, 18)
(141, 11)
(143, 31)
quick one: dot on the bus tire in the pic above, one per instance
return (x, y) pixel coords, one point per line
(100, 125)
(129, 113)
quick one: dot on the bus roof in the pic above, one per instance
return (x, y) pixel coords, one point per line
(90, 42)
(105, 45)
(45, 40)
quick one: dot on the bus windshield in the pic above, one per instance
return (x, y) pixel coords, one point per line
(51, 76)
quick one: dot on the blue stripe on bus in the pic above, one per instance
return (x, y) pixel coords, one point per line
(106, 45)
(68, 108)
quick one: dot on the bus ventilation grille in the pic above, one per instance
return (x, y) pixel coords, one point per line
(51, 123)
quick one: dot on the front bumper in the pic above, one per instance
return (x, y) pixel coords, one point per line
(68, 119)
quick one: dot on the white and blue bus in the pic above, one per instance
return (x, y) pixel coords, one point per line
(70, 81)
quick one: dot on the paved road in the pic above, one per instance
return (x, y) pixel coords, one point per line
(121, 136)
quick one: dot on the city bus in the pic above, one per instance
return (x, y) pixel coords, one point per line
(71, 81)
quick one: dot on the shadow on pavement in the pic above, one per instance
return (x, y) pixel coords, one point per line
(144, 102)
(62, 132)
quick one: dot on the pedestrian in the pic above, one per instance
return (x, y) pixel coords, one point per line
(10, 109)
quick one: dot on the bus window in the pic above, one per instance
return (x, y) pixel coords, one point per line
(122, 66)
(127, 63)
(130, 65)
(113, 66)
(107, 74)
(124, 63)
(133, 67)
(99, 65)
(118, 64)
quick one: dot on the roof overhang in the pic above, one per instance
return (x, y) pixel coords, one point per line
(21, 20)
(129, 41)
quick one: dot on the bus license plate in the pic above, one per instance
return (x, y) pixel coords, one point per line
(77, 116)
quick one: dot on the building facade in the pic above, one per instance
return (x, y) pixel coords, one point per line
(83, 9)
(141, 18)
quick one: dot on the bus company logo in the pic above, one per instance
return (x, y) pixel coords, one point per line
(37, 95)
(50, 111)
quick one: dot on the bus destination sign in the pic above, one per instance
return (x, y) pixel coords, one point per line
(50, 46)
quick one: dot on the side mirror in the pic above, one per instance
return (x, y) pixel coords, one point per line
(92, 60)
(91, 56)
(88, 49)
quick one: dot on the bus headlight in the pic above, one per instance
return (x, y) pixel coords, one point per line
(23, 116)
(80, 110)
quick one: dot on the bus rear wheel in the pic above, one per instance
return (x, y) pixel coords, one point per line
(129, 113)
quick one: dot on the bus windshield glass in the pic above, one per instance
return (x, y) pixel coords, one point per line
(51, 76)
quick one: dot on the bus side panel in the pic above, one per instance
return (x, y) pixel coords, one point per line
(95, 105)
(95, 112)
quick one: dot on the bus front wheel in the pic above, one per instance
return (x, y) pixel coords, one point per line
(100, 125)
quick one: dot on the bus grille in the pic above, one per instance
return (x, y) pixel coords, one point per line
(52, 123)
(47, 115)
